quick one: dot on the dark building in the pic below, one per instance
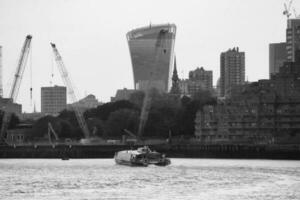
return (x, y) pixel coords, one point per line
(267, 111)
(199, 80)
(8, 105)
(277, 57)
(203, 77)
(232, 70)
(292, 38)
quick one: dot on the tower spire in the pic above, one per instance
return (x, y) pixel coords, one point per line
(175, 80)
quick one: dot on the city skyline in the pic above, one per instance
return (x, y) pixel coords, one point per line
(91, 38)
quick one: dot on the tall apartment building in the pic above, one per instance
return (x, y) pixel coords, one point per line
(152, 56)
(292, 38)
(232, 70)
(53, 99)
(277, 57)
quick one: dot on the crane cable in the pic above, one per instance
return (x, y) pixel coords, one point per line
(30, 66)
(52, 70)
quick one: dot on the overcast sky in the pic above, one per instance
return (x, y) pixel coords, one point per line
(90, 35)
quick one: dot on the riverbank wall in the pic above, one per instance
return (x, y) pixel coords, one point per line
(174, 151)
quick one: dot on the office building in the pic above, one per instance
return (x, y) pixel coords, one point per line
(152, 56)
(277, 57)
(232, 70)
(53, 99)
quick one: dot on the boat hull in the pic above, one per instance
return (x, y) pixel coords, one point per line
(141, 158)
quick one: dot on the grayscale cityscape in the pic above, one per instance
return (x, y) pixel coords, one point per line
(148, 126)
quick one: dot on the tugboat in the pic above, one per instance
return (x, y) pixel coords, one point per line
(143, 156)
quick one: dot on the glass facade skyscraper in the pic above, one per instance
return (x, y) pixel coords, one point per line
(152, 56)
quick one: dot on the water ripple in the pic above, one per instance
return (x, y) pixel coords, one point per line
(184, 179)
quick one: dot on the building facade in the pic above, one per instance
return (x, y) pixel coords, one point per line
(267, 111)
(200, 79)
(292, 38)
(53, 99)
(122, 94)
(88, 102)
(232, 70)
(8, 105)
(152, 56)
(277, 57)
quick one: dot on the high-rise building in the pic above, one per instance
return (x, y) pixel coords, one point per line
(201, 77)
(232, 70)
(53, 99)
(277, 57)
(152, 56)
(292, 38)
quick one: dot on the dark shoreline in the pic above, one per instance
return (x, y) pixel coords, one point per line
(283, 152)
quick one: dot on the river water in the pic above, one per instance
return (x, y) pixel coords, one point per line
(184, 179)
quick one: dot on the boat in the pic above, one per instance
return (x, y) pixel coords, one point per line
(143, 156)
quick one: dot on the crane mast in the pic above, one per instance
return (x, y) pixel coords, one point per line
(20, 68)
(65, 76)
(16, 84)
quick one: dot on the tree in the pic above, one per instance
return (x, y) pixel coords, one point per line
(137, 98)
(69, 115)
(120, 120)
(14, 120)
(102, 112)
(62, 127)
(162, 115)
(190, 107)
(97, 127)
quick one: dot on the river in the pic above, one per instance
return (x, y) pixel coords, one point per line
(85, 179)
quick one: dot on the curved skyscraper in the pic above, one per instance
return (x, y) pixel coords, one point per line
(152, 55)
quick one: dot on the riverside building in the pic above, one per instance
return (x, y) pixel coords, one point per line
(152, 56)
(262, 112)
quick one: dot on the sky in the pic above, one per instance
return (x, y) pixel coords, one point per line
(91, 37)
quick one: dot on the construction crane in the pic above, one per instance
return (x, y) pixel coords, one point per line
(287, 9)
(51, 131)
(16, 85)
(70, 88)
